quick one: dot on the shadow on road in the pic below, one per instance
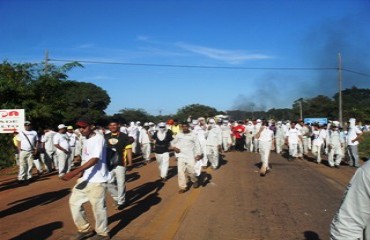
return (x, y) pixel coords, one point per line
(148, 193)
(41, 232)
(309, 235)
(132, 176)
(34, 201)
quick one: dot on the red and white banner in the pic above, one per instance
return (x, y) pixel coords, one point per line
(11, 120)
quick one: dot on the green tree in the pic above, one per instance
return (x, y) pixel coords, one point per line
(355, 103)
(195, 111)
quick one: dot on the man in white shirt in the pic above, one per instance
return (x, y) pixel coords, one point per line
(352, 221)
(265, 138)
(72, 140)
(62, 149)
(318, 135)
(279, 137)
(187, 150)
(249, 128)
(144, 142)
(226, 135)
(48, 146)
(292, 137)
(353, 136)
(213, 143)
(335, 142)
(27, 147)
(91, 186)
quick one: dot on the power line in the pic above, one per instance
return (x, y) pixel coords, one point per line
(210, 67)
(190, 66)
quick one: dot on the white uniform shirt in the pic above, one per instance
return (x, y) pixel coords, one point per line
(335, 138)
(47, 139)
(200, 131)
(318, 139)
(71, 137)
(33, 138)
(352, 134)
(144, 137)
(293, 135)
(94, 147)
(226, 131)
(188, 144)
(61, 139)
(353, 215)
(266, 135)
(214, 136)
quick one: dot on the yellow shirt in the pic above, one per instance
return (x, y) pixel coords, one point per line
(129, 146)
(175, 129)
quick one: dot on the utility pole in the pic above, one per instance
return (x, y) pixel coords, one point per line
(340, 89)
(301, 109)
(46, 62)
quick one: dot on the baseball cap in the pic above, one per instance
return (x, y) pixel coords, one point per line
(69, 128)
(61, 126)
(84, 122)
(26, 123)
(162, 125)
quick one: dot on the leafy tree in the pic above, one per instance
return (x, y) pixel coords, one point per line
(81, 98)
(133, 115)
(355, 103)
(195, 111)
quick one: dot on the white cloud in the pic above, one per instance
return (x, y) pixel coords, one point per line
(229, 56)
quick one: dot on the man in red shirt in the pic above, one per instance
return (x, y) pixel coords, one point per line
(238, 132)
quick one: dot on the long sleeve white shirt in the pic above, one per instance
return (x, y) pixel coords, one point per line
(188, 144)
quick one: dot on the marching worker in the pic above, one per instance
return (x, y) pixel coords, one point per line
(265, 138)
(162, 142)
(335, 143)
(353, 137)
(187, 150)
(213, 145)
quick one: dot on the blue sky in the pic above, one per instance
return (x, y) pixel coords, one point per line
(255, 34)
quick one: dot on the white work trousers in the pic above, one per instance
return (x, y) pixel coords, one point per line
(226, 143)
(62, 162)
(213, 155)
(145, 149)
(293, 149)
(316, 151)
(163, 161)
(249, 143)
(306, 144)
(279, 142)
(116, 185)
(335, 150)
(265, 149)
(185, 167)
(203, 147)
(25, 165)
(95, 194)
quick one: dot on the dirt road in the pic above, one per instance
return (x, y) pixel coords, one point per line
(297, 200)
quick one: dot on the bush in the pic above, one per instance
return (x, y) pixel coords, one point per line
(7, 150)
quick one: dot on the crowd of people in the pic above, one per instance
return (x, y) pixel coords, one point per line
(100, 157)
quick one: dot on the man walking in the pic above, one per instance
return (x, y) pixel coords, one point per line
(91, 186)
(353, 136)
(265, 138)
(187, 149)
(162, 142)
(335, 143)
(117, 141)
(61, 143)
(27, 147)
(213, 145)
